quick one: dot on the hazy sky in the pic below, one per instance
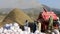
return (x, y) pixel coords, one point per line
(51, 3)
(18, 3)
(28, 3)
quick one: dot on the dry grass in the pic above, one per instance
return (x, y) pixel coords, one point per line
(1, 19)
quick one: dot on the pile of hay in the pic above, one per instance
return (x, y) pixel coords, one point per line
(17, 15)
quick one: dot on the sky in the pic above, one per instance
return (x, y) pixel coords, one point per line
(18, 3)
(28, 3)
(51, 3)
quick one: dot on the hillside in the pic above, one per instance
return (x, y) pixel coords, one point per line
(32, 12)
(57, 11)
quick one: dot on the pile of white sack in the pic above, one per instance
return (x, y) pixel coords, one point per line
(14, 29)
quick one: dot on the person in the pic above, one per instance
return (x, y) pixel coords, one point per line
(56, 26)
(26, 23)
(32, 27)
(59, 23)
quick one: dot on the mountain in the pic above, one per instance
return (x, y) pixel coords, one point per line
(5, 10)
(32, 12)
(57, 11)
(47, 7)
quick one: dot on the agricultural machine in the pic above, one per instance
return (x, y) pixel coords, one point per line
(48, 20)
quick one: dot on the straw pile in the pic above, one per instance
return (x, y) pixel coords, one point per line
(18, 16)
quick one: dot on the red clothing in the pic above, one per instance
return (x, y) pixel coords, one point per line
(46, 15)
